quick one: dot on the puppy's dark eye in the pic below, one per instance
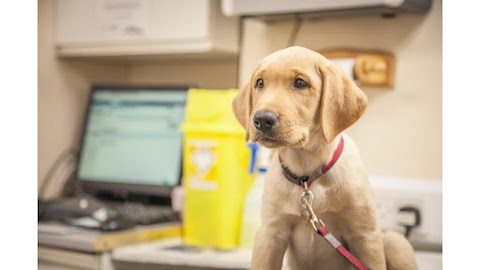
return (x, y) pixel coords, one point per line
(259, 84)
(299, 83)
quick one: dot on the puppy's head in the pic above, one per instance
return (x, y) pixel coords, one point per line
(294, 93)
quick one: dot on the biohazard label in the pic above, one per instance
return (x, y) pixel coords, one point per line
(203, 157)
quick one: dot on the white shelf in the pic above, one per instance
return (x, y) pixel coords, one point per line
(167, 29)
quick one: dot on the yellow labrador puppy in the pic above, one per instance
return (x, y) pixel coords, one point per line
(299, 103)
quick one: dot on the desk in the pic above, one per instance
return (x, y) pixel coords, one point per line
(67, 248)
(71, 248)
(172, 255)
(169, 254)
(50, 258)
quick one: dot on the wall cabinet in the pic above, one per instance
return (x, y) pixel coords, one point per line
(145, 28)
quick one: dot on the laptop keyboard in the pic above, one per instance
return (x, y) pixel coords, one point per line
(144, 214)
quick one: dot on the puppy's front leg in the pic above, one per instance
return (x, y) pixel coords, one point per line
(368, 248)
(269, 248)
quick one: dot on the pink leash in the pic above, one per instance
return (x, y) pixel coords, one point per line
(307, 201)
(340, 248)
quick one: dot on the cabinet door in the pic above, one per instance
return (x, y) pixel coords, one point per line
(144, 28)
(131, 21)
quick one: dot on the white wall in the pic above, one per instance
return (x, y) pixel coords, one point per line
(216, 74)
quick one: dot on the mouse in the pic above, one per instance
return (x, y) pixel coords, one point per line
(117, 223)
(102, 219)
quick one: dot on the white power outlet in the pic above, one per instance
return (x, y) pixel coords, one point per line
(426, 195)
(389, 204)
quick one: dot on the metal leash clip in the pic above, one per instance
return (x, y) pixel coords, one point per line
(307, 202)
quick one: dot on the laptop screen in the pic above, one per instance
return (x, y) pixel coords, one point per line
(132, 141)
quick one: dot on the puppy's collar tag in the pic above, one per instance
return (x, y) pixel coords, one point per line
(300, 180)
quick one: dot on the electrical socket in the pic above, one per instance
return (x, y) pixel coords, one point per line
(388, 207)
(391, 194)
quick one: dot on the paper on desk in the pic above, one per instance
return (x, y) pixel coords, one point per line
(54, 229)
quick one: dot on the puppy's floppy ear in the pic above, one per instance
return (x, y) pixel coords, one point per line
(242, 106)
(342, 103)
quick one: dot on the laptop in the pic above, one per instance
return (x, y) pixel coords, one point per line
(130, 155)
(131, 144)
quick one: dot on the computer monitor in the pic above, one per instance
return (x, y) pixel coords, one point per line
(131, 142)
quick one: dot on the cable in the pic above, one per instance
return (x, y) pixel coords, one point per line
(70, 187)
(295, 30)
(409, 217)
(48, 178)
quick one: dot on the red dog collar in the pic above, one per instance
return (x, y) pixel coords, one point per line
(300, 180)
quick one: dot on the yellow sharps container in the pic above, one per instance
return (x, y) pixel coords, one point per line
(215, 170)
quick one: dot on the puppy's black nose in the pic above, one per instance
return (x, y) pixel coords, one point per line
(265, 120)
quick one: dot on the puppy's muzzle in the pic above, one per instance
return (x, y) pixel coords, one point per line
(265, 121)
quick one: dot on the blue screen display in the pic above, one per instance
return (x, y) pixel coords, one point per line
(133, 137)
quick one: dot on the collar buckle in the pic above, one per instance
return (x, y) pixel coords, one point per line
(305, 185)
(304, 181)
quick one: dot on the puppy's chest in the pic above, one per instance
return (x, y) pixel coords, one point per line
(308, 250)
